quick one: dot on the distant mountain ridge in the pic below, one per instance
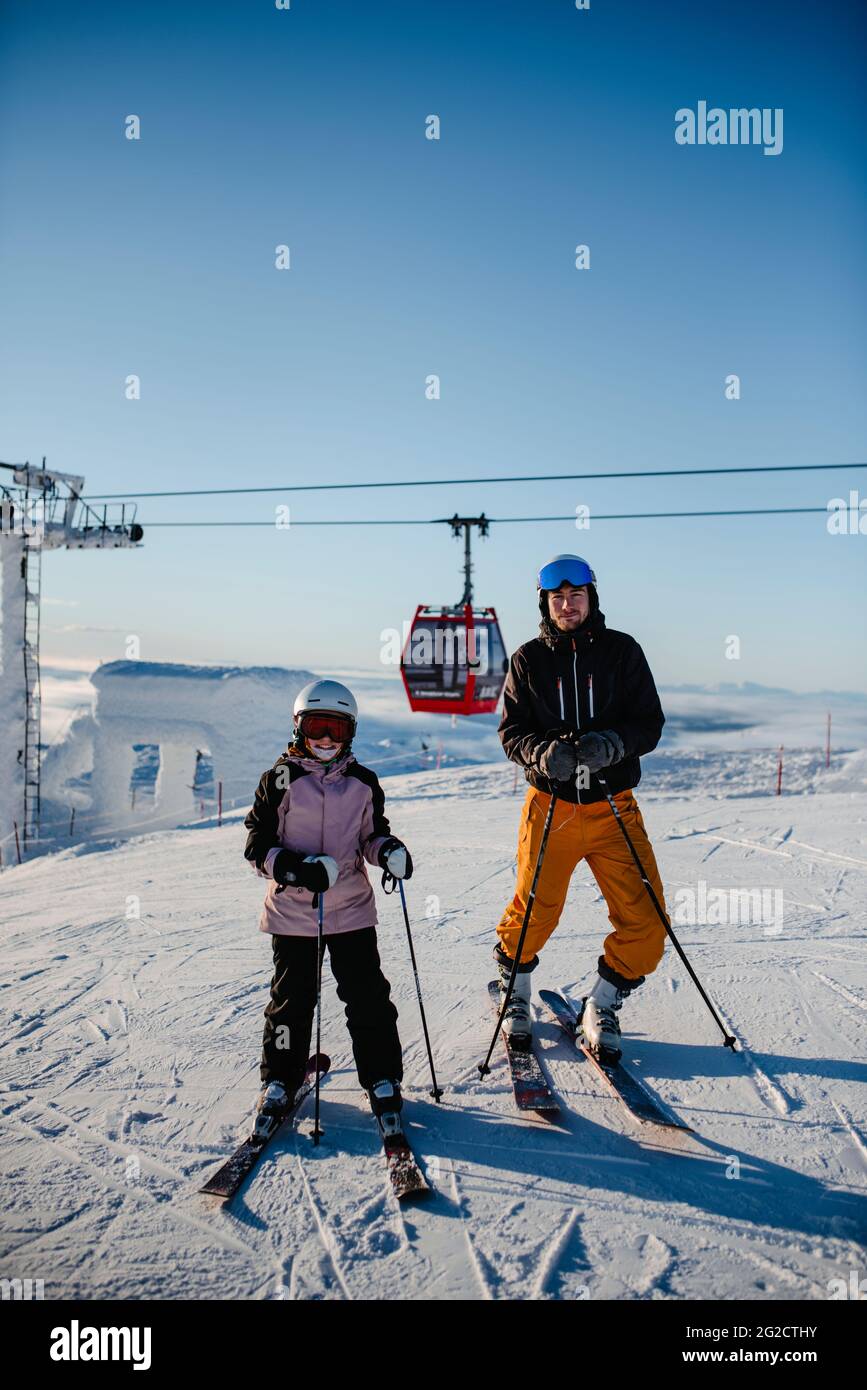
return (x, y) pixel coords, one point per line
(752, 688)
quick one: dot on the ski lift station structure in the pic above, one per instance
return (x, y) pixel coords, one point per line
(454, 660)
(40, 509)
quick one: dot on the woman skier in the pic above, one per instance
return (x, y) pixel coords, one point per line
(317, 815)
(580, 700)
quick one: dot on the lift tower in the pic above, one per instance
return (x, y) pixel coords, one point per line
(40, 509)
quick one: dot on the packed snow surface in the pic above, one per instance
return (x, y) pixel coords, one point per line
(134, 981)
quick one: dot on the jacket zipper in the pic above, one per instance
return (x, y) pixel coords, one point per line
(590, 689)
(577, 712)
(560, 693)
(322, 789)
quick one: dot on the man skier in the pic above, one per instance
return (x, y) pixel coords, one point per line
(580, 700)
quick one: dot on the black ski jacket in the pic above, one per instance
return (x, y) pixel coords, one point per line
(570, 683)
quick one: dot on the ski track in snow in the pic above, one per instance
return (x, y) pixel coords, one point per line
(552, 1256)
(483, 1280)
(839, 989)
(328, 1241)
(130, 1052)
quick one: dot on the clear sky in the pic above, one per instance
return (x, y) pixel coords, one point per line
(410, 257)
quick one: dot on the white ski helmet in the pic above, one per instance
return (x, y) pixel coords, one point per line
(326, 697)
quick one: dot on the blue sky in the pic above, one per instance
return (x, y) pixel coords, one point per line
(454, 257)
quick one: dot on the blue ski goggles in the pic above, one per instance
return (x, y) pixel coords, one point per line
(565, 569)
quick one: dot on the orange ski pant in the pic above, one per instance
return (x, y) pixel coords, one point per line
(634, 947)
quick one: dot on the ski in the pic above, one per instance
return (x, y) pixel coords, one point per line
(227, 1180)
(404, 1174)
(639, 1103)
(532, 1091)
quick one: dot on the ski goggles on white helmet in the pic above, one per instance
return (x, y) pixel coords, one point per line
(316, 724)
(565, 569)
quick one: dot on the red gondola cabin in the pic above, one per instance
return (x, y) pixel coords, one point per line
(454, 661)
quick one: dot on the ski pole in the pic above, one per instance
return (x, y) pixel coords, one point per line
(729, 1041)
(436, 1092)
(320, 946)
(485, 1067)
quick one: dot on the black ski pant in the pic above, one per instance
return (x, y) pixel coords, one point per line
(361, 986)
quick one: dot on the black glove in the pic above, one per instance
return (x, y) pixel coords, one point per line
(315, 872)
(596, 751)
(559, 761)
(395, 858)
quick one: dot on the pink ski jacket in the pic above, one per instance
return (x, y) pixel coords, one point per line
(312, 807)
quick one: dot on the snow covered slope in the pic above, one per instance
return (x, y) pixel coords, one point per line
(133, 982)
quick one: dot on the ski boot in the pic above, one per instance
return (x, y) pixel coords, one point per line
(599, 1021)
(386, 1103)
(517, 1022)
(271, 1110)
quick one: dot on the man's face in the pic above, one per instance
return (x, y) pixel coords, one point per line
(568, 606)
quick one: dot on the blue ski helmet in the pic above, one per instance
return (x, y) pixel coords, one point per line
(565, 569)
